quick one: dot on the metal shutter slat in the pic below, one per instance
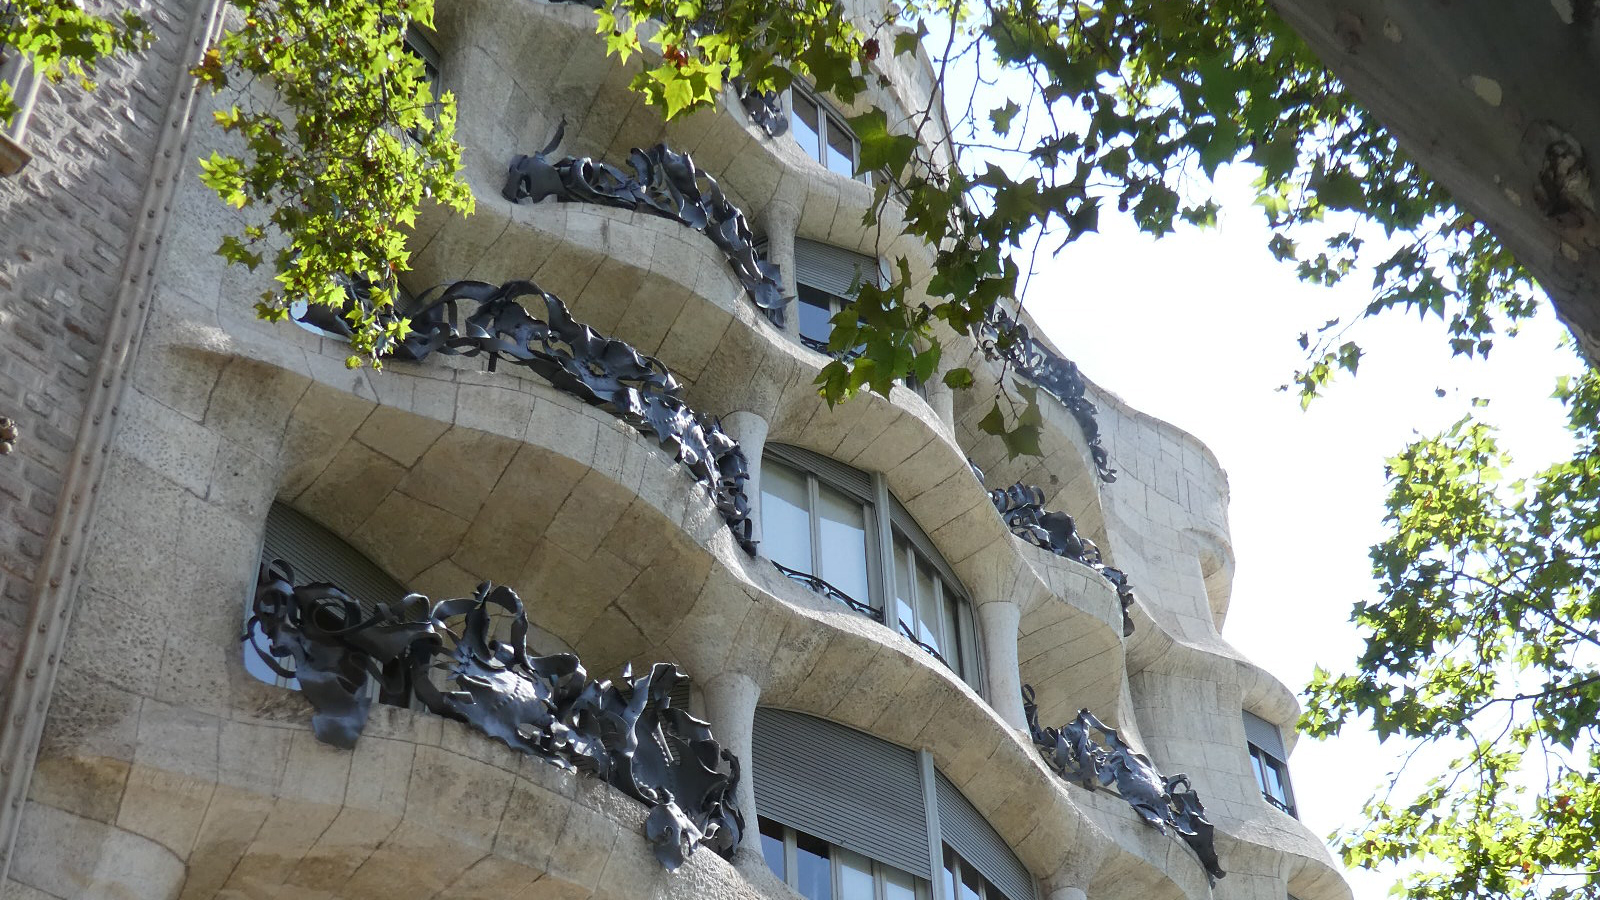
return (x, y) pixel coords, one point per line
(847, 478)
(318, 554)
(833, 269)
(840, 785)
(1265, 735)
(965, 829)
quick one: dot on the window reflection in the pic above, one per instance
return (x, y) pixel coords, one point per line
(813, 868)
(786, 518)
(772, 847)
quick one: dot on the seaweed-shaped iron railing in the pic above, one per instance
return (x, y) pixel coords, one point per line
(665, 183)
(1074, 753)
(600, 370)
(1021, 507)
(628, 734)
(822, 587)
(1003, 338)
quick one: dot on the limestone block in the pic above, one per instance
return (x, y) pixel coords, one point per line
(172, 445)
(400, 434)
(459, 470)
(406, 535)
(105, 863)
(350, 488)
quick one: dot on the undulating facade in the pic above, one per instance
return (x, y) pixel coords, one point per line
(752, 646)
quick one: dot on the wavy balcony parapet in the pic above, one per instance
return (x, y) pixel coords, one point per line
(628, 734)
(1005, 339)
(665, 183)
(602, 371)
(1163, 802)
(1021, 507)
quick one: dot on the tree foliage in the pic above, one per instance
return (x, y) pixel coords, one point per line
(341, 140)
(1484, 641)
(61, 39)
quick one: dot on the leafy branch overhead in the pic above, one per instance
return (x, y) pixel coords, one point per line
(1107, 103)
(60, 39)
(339, 142)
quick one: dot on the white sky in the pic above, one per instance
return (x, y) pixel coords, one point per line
(1199, 329)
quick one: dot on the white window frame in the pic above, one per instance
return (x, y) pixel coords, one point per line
(790, 874)
(828, 119)
(967, 662)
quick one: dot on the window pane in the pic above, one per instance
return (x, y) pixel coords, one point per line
(951, 865)
(971, 884)
(785, 517)
(1275, 781)
(803, 125)
(898, 885)
(855, 876)
(841, 149)
(1255, 766)
(905, 607)
(927, 608)
(772, 847)
(816, 311)
(843, 543)
(812, 868)
(952, 629)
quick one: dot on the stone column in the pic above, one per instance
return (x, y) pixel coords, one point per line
(730, 705)
(998, 621)
(781, 219)
(750, 430)
(1068, 893)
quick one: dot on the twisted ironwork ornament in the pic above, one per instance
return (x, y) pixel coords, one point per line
(1003, 338)
(600, 370)
(626, 733)
(665, 183)
(1021, 507)
(1074, 753)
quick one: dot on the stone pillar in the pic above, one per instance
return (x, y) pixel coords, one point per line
(730, 706)
(1068, 893)
(998, 621)
(781, 219)
(750, 430)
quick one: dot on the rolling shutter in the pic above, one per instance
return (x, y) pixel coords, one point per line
(833, 269)
(1264, 735)
(318, 554)
(845, 787)
(964, 829)
(849, 479)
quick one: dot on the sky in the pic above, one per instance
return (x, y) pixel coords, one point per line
(1199, 328)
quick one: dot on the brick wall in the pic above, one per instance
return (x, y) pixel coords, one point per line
(65, 223)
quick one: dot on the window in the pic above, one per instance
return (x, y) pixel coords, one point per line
(1267, 754)
(828, 278)
(847, 816)
(1272, 776)
(963, 882)
(823, 134)
(822, 519)
(818, 870)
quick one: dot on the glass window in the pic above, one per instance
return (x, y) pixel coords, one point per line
(841, 153)
(786, 518)
(843, 543)
(813, 867)
(823, 871)
(772, 848)
(855, 877)
(1272, 776)
(811, 526)
(816, 314)
(806, 125)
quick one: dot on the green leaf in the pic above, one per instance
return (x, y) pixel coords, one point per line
(1001, 117)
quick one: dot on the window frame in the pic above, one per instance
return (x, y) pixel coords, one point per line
(829, 119)
(883, 524)
(790, 874)
(986, 888)
(1260, 762)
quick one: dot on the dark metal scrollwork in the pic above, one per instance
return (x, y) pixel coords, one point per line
(765, 109)
(602, 371)
(626, 733)
(1021, 507)
(665, 183)
(1074, 753)
(827, 590)
(1004, 338)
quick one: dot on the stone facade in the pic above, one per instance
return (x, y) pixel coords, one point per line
(154, 765)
